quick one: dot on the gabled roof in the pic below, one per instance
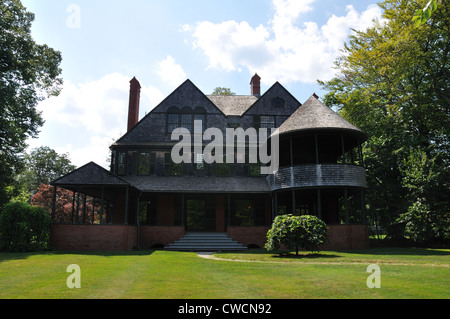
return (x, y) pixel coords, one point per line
(265, 101)
(185, 94)
(314, 115)
(234, 105)
(88, 175)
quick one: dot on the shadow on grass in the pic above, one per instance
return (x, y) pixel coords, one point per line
(402, 251)
(304, 255)
(4, 255)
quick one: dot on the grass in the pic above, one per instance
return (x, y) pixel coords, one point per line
(405, 273)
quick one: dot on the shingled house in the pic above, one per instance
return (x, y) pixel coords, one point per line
(148, 200)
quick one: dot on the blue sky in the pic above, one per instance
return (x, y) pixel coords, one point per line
(104, 43)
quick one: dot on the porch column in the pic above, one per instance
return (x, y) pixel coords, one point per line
(293, 202)
(319, 204)
(126, 206)
(363, 208)
(54, 203)
(346, 205)
(183, 223)
(73, 208)
(101, 208)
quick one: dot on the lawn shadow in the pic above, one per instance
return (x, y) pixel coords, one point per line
(403, 251)
(302, 255)
(4, 255)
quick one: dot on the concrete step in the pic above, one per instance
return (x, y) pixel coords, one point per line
(205, 242)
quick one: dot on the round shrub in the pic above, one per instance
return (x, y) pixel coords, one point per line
(296, 232)
(24, 227)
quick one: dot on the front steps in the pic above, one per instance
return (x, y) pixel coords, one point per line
(205, 242)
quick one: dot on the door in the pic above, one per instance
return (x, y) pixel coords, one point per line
(200, 214)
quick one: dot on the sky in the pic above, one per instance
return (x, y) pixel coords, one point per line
(105, 43)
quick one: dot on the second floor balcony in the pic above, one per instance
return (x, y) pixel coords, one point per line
(317, 175)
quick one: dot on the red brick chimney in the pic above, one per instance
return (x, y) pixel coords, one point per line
(133, 105)
(255, 85)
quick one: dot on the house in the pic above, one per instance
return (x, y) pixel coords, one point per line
(174, 180)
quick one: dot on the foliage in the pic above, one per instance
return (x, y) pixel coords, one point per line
(66, 205)
(296, 232)
(392, 82)
(421, 16)
(425, 226)
(28, 73)
(24, 227)
(222, 91)
(42, 166)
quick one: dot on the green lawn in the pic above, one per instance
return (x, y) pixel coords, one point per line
(405, 273)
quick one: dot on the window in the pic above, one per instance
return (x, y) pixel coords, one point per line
(172, 122)
(146, 163)
(121, 163)
(245, 212)
(199, 162)
(186, 121)
(173, 119)
(171, 168)
(200, 117)
(267, 121)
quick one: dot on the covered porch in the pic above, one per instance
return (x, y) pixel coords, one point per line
(93, 209)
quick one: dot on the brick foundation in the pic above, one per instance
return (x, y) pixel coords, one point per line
(343, 237)
(159, 235)
(94, 237)
(347, 237)
(124, 238)
(255, 235)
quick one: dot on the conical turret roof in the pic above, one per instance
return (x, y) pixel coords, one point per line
(314, 115)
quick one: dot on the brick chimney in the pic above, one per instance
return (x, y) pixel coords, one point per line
(133, 105)
(255, 85)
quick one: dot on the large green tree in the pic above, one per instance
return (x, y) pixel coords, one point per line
(42, 166)
(393, 82)
(29, 72)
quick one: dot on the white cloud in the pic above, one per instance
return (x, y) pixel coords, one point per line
(171, 72)
(86, 118)
(281, 50)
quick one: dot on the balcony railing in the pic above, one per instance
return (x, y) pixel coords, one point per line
(317, 175)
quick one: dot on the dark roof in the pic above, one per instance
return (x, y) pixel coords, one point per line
(314, 115)
(233, 104)
(88, 175)
(199, 184)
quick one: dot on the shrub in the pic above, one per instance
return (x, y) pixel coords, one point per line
(425, 226)
(296, 232)
(24, 227)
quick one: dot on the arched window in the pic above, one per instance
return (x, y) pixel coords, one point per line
(173, 119)
(200, 115)
(186, 118)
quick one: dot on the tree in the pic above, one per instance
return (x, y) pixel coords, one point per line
(296, 232)
(421, 16)
(42, 166)
(67, 205)
(29, 72)
(222, 91)
(392, 82)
